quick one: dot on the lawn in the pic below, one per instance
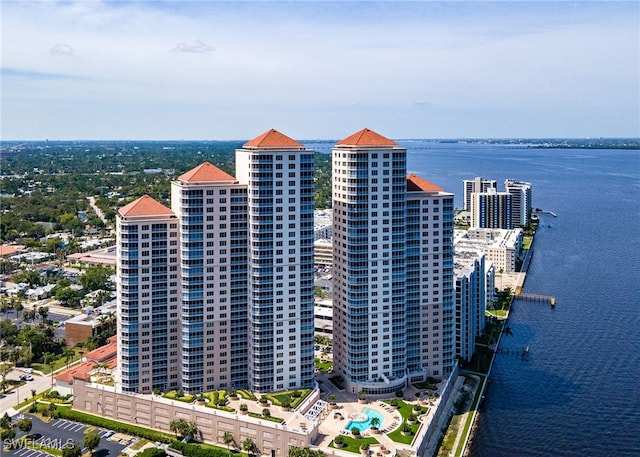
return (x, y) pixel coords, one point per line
(323, 366)
(353, 444)
(405, 410)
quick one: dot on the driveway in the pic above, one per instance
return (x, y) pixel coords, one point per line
(58, 433)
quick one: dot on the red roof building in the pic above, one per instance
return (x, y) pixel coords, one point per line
(272, 139)
(206, 172)
(144, 206)
(416, 184)
(367, 138)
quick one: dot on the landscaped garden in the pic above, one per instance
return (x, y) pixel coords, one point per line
(410, 422)
(352, 444)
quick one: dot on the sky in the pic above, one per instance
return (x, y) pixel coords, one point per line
(212, 70)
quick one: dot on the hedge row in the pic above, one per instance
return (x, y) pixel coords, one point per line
(120, 427)
(195, 450)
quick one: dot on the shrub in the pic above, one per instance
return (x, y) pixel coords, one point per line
(394, 403)
(355, 431)
(399, 393)
(7, 433)
(244, 407)
(338, 440)
(264, 400)
(364, 446)
(266, 412)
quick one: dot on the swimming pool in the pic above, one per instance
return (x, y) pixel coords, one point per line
(364, 423)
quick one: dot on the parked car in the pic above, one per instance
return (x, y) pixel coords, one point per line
(26, 377)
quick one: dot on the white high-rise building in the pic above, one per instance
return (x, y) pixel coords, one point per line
(148, 297)
(279, 174)
(491, 209)
(212, 208)
(471, 300)
(520, 201)
(378, 275)
(430, 277)
(476, 185)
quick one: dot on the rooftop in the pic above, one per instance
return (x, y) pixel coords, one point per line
(272, 139)
(416, 183)
(206, 172)
(145, 206)
(366, 137)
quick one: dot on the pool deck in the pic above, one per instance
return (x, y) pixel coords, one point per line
(348, 406)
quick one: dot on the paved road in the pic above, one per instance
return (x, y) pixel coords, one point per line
(11, 399)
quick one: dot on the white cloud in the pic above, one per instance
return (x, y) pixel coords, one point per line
(61, 49)
(197, 47)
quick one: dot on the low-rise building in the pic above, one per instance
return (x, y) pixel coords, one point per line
(502, 247)
(79, 328)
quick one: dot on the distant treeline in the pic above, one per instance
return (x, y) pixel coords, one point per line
(50, 181)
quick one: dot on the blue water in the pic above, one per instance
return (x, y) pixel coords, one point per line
(365, 424)
(579, 392)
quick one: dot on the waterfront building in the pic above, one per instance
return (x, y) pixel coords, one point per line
(503, 248)
(471, 300)
(476, 185)
(520, 201)
(378, 337)
(279, 174)
(148, 297)
(491, 209)
(431, 335)
(212, 208)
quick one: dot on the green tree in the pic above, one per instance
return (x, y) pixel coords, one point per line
(43, 311)
(24, 424)
(71, 450)
(91, 441)
(249, 446)
(228, 440)
(95, 278)
(5, 369)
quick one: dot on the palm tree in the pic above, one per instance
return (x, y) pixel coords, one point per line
(249, 445)
(228, 440)
(375, 422)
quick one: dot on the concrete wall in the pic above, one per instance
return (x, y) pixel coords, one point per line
(157, 413)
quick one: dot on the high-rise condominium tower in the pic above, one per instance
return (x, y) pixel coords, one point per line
(218, 293)
(279, 175)
(212, 208)
(521, 201)
(476, 185)
(378, 338)
(491, 209)
(148, 290)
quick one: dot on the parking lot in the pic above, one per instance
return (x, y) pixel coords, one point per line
(61, 432)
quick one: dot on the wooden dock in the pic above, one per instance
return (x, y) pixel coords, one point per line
(533, 297)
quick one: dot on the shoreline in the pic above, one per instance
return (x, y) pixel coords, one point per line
(485, 378)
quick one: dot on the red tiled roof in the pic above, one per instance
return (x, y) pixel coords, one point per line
(272, 139)
(416, 183)
(103, 352)
(78, 372)
(144, 206)
(366, 137)
(206, 172)
(7, 250)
